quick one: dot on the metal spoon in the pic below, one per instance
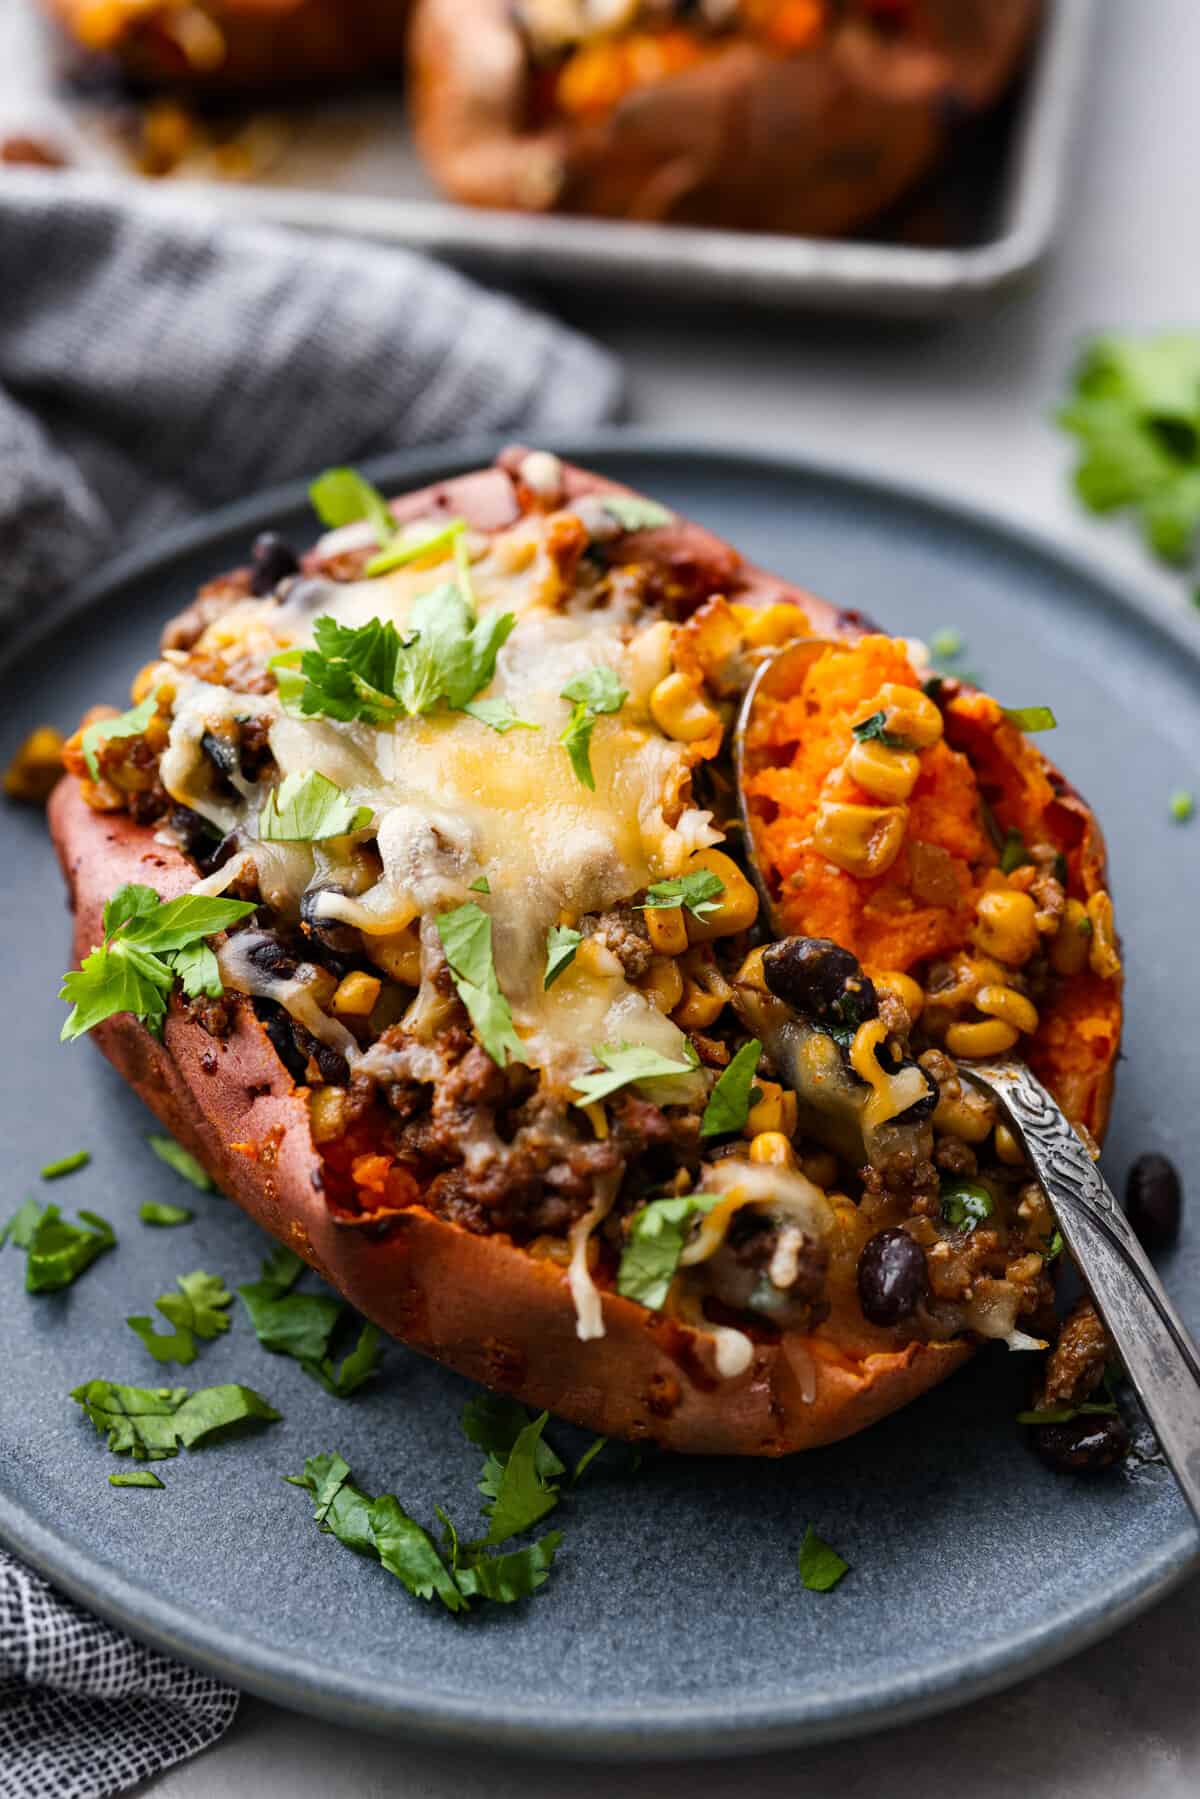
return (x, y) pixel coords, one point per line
(1155, 1346)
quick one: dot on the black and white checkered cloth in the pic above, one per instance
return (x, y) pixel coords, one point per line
(151, 367)
(84, 1711)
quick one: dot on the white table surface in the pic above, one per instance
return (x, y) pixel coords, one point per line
(966, 407)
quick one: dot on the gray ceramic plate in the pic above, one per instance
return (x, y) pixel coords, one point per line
(675, 1621)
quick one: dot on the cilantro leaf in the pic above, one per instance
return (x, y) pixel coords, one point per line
(408, 1551)
(561, 944)
(380, 1528)
(302, 1325)
(57, 1252)
(820, 1566)
(53, 1171)
(466, 935)
(462, 647)
(635, 514)
(965, 1203)
(519, 1495)
(136, 1477)
(482, 885)
(505, 1579)
(1031, 718)
(1062, 1414)
(730, 1101)
(181, 1160)
(341, 496)
(359, 1366)
(626, 1064)
(494, 1423)
(308, 808)
(587, 1458)
(657, 1234)
(299, 1325)
(1136, 413)
(129, 724)
(1013, 851)
(698, 891)
(150, 1423)
(369, 672)
(197, 1310)
(499, 715)
(22, 1225)
(134, 969)
(198, 970)
(406, 548)
(594, 691)
(874, 730)
(158, 1212)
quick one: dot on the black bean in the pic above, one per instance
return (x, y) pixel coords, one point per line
(272, 957)
(273, 560)
(330, 933)
(278, 1025)
(1154, 1201)
(197, 838)
(891, 1276)
(1090, 1444)
(335, 1070)
(222, 752)
(821, 980)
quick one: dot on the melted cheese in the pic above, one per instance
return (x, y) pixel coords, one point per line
(454, 801)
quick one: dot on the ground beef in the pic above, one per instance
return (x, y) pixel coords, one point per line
(953, 1156)
(255, 748)
(185, 631)
(904, 1177)
(1075, 1366)
(213, 1015)
(623, 931)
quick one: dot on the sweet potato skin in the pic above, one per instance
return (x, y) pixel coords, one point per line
(479, 1304)
(814, 143)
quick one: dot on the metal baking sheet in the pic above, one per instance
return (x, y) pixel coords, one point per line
(348, 165)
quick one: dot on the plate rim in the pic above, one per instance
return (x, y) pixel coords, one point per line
(701, 1727)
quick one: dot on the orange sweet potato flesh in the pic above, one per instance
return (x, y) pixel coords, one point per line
(814, 143)
(479, 1304)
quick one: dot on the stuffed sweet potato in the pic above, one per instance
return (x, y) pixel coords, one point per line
(471, 1001)
(807, 116)
(239, 44)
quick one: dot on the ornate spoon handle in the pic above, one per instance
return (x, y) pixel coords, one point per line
(1159, 1354)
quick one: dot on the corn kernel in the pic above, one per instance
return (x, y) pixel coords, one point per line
(772, 1150)
(1071, 942)
(35, 768)
(733, 910)
(910, 714)
(1006, 926)
(327, 1113)
(1102, 950)
(697, 1009)
(964, 1112)
(143, 682)
(750, 974)
(679, 712)
(356, 995)
(990, 1037)
(884, 773)
(398, 954)
(1011, 1006)
(862, 840)
(663, 983)
(1008, 1150)
(765, 627)
(666, 930)
(775, 1111)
